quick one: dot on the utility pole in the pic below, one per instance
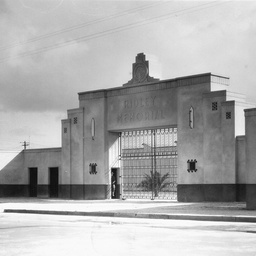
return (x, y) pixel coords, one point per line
(25, 144)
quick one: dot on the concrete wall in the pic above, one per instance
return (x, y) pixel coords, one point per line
(13, 173)
(190, 141)
(95, 149)
(142, 107)
(211, 141)
(76, 147)
(81, 149)
(213, 137)
(240, 169)
(65, 175)
(14, 177)
(250, 151)
(42, 159)
(228, 143)
(240, 106)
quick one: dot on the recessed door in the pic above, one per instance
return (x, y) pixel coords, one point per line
(33, 174)
(114, 190)
(54, 181)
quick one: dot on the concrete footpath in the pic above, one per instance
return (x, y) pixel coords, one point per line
(132, 208)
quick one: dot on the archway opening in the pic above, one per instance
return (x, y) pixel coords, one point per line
(149, 163)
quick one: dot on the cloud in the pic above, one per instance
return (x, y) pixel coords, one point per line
(41, 6)
(36, 90)
(4, 7)
(43, 129)
(42, 82)
(193, 43)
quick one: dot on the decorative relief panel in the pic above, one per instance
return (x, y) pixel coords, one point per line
(149, 109)
(92, 168)
(140, 71)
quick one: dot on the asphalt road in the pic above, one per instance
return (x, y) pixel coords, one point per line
(28, 234)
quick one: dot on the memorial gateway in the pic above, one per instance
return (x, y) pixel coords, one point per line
(187, 138)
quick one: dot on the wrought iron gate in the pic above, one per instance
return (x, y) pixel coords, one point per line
(149, 163)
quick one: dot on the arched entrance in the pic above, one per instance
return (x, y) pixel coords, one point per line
(149, 163)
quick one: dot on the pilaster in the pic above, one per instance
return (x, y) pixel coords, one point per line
(250, 149)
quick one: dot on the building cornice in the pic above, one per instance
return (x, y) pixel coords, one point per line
(152, 86)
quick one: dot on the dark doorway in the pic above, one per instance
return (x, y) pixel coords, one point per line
(33, 182)
(114, 187)
(54, 181)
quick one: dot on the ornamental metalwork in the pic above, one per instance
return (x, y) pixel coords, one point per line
(228, 115)
(214, 106)
(92, 168)
(149, 163)
(192, 165)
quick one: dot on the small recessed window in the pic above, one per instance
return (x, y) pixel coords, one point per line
(65, 129)
(191, 165)
(93, 128)
(191, 118)
(214, 106)
(92, 168)
(75, 120)
(228, 115)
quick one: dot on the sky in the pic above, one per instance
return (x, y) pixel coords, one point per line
(52, 49)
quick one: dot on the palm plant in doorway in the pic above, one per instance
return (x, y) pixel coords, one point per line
(154, 182)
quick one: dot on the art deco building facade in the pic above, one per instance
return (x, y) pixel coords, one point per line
(187, 138)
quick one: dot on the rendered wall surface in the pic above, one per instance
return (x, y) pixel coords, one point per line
(143, 107)
(240, 169)
(81, 150)
(250, 149)
(14, 178)
(241, 160)
(65, 175)
(13, 172)
(190, 141)
(228, 143)
(90, 139)
(43, 159)
(76, 148)
(213, 137)
(211, 141)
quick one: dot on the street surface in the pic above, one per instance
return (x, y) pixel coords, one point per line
(31, 234)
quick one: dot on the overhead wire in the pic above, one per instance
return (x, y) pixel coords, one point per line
(107, 32)
(115, 30)
(82, 25)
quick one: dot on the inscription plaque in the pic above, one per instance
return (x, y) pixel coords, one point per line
(140, 109)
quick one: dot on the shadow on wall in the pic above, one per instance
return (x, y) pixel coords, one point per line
(12, 169)
(7, 157)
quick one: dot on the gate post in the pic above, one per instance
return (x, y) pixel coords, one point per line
(119, 192)
(250, 148)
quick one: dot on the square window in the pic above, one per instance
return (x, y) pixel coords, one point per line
(75, 120)
(214, 106)
(65, 130)
(228, 115)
